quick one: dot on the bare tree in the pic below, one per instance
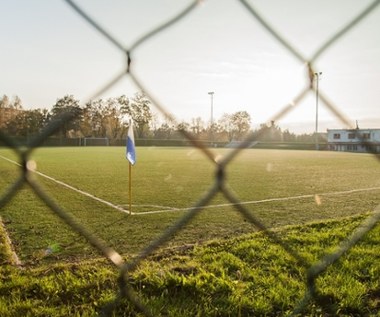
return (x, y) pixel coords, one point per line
(138, 109)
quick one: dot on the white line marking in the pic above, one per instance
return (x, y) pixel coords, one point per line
(9, 160)
(73, 188)
(172, 209)
(83, 192)
(252, 202)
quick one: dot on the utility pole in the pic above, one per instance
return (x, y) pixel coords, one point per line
(211, 93)
(316, 77)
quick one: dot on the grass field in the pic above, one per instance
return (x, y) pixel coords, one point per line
(217, 265)
(278, 187)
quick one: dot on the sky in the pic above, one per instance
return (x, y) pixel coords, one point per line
(48, 51)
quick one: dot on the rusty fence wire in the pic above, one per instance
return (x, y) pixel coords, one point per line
(218, 186)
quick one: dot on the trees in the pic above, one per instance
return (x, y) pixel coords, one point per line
(138, 109)
(112, 119)
(236, 125)
(27, 123)
(4, 106)
(225, 126)
(9, 109)
(164, 131)
(16, 121)
(68, 104)
(197, 127)
(4, 102)
(181, 129)
(104, 118)
(273, 133)
(93, 119)
(241, 124)
(109, 118)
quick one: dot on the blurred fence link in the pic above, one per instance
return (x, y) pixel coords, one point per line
(218, 186)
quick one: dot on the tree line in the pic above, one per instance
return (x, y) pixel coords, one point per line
(109, 118)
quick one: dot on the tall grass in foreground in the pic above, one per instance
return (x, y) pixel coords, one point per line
(244, 276)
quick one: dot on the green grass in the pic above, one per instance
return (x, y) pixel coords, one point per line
(243, 276)
(227, 268)
(250, 275)
(177, 177)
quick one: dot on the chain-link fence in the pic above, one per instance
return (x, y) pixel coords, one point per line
(219, 183)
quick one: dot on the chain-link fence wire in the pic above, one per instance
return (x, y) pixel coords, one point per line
(219, 185)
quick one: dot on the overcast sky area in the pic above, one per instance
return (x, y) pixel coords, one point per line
(48, 51)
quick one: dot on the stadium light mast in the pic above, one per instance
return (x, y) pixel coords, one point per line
(211, 93)
(316, 76)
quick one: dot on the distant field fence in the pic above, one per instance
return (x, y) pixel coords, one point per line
(56, 141)
(218, 185)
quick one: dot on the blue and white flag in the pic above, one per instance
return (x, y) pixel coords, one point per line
(130, 151)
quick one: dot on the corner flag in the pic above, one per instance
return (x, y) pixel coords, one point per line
(130, 150)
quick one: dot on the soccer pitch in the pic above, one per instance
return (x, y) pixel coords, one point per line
(278, 187)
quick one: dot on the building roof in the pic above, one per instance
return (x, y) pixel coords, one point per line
(355, 129)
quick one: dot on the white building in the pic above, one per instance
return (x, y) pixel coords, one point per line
(353, 140)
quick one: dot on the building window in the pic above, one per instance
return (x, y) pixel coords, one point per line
(366, 136)
(351, 136)
(336, 136)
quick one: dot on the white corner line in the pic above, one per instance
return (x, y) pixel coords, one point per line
(74, 189)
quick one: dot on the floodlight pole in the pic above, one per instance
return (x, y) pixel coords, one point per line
(317, 75)
(211, 93)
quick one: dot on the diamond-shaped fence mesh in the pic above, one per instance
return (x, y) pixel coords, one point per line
(219, 184)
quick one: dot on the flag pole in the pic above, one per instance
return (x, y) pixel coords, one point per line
(131, 157)
(130, 188)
